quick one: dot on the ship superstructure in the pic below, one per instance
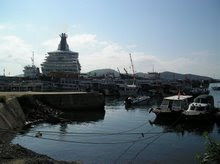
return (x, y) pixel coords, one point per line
(61, 61)
(31, 71)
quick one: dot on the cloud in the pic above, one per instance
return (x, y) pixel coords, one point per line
(14, 54)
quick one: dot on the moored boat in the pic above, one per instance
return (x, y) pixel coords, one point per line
(140, 100)
(172, 105)
(202, 108)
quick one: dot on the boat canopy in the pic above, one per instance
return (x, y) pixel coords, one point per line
(178, 97)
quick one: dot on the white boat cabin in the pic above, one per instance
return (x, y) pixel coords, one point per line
(198, 108)
(202, 104)
(175, 103)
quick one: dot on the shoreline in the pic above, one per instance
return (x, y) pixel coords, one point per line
(14, 153)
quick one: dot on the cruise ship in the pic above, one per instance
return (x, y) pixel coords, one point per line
(63, 61)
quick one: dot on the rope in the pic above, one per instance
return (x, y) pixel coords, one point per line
(158, 136)
(78, 142)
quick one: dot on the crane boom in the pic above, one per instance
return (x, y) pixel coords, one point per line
(125, 71)
(132, 66)
(118, 70)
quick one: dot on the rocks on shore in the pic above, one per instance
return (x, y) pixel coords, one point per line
(35, 111)
(16, 154)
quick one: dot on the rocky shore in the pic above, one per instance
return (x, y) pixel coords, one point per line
(16, 154)
(35, 112)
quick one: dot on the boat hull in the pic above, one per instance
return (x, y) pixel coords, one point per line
(166, 113)
(200, 117)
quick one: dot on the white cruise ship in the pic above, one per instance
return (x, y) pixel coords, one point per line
(61, 61)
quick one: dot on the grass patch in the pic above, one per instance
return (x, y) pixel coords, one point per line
(212, 153)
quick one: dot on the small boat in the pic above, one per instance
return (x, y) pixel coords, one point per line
(172, 105)
(136, 100)
(202, 108)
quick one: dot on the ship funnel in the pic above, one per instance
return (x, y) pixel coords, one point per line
(63, 46)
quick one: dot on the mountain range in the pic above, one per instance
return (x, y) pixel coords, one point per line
(164, 75)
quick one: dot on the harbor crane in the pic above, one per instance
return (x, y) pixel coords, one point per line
(132, 66)
(126, 71)
(118, 70)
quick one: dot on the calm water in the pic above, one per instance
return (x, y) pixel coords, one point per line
(115, 136)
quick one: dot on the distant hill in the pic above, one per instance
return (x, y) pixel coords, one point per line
(164, 75)
(171, 75)
(103, 72)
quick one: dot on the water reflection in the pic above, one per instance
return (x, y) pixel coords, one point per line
(63, 128)
(114, 101)
(70, 119)
(152, 103)
(83, 117)
(184, 126)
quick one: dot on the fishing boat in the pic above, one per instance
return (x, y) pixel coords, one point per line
(202, 108)
(129, 101)
(172, 105)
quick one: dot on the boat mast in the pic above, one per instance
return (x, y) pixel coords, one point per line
(32, 59)
(132, 66)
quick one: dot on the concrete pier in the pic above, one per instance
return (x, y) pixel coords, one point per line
(12, 114)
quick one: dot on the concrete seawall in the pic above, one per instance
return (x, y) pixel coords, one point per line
(13, 111)
(72, 102)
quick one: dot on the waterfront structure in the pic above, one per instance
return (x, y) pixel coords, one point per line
(32, 71)
(61, 62)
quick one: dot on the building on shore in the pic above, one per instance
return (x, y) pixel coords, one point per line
(62, 62)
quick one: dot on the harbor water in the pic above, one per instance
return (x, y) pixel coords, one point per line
(121, 135)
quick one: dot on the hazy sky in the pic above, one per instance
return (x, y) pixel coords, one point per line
(170, 35)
